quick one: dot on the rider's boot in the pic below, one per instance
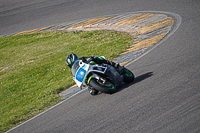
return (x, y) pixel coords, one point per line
(118, 68)
(92, 91)
(116, 65)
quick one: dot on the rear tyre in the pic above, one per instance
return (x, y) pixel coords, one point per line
(128, 76)
(108, 87)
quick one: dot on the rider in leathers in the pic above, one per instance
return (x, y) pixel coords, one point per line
(72, 58)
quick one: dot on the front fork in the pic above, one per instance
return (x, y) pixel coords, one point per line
(99, 79)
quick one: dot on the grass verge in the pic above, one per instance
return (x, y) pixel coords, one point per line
(33, 69)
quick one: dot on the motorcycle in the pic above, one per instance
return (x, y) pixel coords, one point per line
(98, 78)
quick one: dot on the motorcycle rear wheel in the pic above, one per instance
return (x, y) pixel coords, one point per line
(128, 76)
(108, 88)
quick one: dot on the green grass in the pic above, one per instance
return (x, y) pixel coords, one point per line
(33, 69)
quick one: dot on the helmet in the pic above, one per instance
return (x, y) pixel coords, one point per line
(71, 59)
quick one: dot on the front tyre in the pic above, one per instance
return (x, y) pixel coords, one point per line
(128, 76)
(107, 87)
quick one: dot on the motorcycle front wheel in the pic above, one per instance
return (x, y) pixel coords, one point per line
(107, 87)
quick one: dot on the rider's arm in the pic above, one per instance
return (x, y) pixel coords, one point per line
(98, 61)
(85, 59)
(101, 61)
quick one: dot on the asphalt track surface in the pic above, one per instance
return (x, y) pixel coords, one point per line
(165, 96)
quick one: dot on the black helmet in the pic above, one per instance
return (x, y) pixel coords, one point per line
(71, 59)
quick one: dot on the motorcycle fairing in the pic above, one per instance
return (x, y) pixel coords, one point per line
(80, 74)
(98, 69)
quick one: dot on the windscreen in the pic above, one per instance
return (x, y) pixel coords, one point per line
(74, 68)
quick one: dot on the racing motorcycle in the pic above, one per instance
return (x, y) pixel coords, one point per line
(98, 78)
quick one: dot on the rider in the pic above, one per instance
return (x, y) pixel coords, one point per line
(72, 58)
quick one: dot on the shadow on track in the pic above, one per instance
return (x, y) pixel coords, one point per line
(137, 80)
